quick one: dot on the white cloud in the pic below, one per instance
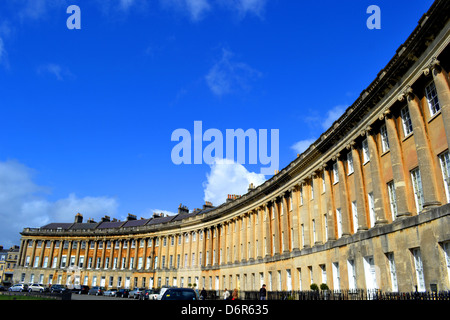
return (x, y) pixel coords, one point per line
(228, 177)
(332, 115)
(23, 203)
(302, 145)
(150, 212)
(227, 76)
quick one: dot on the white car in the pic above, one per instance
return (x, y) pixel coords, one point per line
(19, 287)
(35, 288)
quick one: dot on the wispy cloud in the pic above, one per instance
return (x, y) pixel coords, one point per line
(27, 10)
(198, 9)
(227, 75)
(195, 9)
(318, 122)
(300, 146)
(332, 115)
(246, 7)
(2, 52)
(56, 70)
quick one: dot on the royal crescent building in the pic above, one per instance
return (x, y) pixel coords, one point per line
(366, 206)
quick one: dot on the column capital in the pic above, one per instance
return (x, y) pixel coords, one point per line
(350, 145)
(336, 156)
(434, 64)
(407, 93)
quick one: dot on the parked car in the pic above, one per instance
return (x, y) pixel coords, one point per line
(135, 293)
(3, 288)
(96, 291)
(161, 292)
(146, 294)
(154, 295)
(122, 293)
(81, 289)
(110, 292)
(35, 288)
(19, 287)
(57, 288)
(179, 294)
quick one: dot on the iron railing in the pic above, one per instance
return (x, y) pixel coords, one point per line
(356, 294)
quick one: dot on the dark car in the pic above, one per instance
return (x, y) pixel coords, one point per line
(145, 295)
(98, 291)
(123, 293)
(81, 290)
(57, 288)
(179, 294)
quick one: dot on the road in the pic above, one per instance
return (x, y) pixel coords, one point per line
(92, 297)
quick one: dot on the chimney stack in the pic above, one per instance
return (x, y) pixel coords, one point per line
(207, 205)
(182, 209)
(78, 218)
(131, 217)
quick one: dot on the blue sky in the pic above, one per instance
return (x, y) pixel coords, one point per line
(86, 116)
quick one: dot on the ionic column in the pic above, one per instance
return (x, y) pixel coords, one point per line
(111, 254)
(285, 223)
(304, 220)
(317, 212)
(267, 230)
(252, 234)
(294, 219)
(243, 253)
(360, 191)
(424, 155)
(217, 244)
(33, 253)
(94, 257)
(276, 227)
(378, 186)
(230, 241)
(236, 242)
(119, 255)
(41, 257)
(260, 213)
(440, 78)
(136, 251)
(60, 252)
(102, 260)
(127, 260)
(343, 197)
(77, 255)
(50, 256)
(399, 173)
(23, 247)
(204, 247)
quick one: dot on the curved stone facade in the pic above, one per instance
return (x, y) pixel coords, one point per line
(364, 207)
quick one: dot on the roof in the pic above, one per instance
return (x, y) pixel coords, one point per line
(135, 223)
(57, 225)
